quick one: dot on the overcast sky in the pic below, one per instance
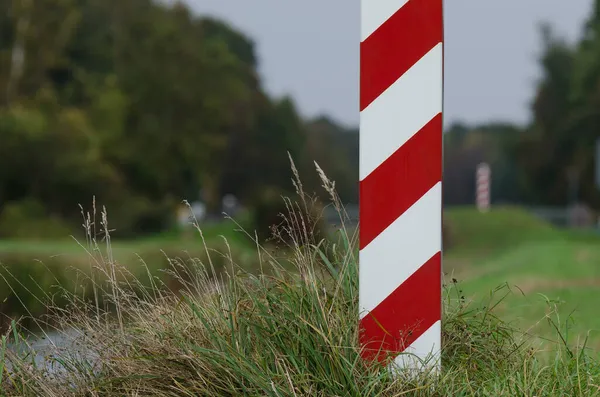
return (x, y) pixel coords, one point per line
(309, 49)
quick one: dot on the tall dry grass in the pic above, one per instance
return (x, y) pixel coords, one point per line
(288, 330)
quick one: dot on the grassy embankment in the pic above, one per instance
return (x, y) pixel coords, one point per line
(539, 263)
(293, 333)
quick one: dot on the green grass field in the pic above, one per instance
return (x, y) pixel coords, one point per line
(548, 271)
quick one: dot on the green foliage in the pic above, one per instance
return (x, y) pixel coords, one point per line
(558, 149)
(335, 149)
(27, 219)
(139, 105)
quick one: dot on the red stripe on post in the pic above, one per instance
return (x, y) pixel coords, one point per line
(397, 45)
(394, 186)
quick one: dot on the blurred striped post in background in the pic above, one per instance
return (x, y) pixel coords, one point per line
(483, 177)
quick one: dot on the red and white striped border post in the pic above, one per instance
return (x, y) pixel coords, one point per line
(401, 75)
(483, 177)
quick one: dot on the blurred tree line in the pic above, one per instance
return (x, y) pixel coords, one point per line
(551, 161)
(142, 105)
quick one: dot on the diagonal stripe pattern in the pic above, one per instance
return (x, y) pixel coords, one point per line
(401, 66)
